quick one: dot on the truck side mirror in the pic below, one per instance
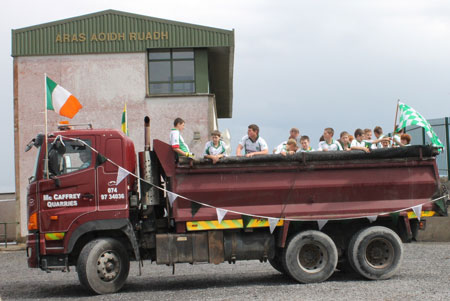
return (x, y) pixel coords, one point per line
(38, 141)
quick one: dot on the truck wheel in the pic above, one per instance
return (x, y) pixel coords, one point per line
(277, 264)
(375, 252)
(310, 256)
(103, 266)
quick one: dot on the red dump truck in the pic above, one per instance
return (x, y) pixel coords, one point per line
(344, 210)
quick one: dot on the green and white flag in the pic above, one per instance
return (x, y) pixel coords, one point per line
(409, 116)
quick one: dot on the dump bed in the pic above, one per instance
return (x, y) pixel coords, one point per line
(307, 186)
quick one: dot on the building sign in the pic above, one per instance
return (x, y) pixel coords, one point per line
(111, 36)
(114, 32)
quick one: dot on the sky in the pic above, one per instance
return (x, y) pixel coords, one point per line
(308, 64)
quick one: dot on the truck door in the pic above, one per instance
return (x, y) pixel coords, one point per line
(112, 197)
(71, 191)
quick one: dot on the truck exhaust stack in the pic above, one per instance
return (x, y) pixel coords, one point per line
(147, 133)
(149, 197)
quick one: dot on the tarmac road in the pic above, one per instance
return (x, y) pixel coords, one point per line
(424, 275)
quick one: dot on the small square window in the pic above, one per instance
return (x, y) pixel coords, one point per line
(160, 71)
(160, 88)
(157, 55)
(183, 70)
(183, 54)
(183, 88)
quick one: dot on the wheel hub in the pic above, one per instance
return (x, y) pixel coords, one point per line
(379, 253)
(108, 266)
(312, 257)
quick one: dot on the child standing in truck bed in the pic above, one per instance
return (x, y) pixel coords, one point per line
(252, 143)
(177, 141)
(289, 148)
(294, 133)
(214, 149)
(344, 141)
(358, 143)
(329, 144)
(304, 145)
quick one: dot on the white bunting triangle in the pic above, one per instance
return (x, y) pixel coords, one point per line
(321, 223)
(221, 214)
(165, 213)
(121, 174)
(273, 223)
(372, 218)
(418, 211)
(172, 196)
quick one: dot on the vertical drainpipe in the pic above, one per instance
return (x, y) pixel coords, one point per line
(447, 145)
(423, 136)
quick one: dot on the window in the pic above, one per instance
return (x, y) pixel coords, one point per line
(171, 71)
(36, 164)
(70, 157)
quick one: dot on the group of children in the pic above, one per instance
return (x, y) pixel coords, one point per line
(252, 144)
(362, 140)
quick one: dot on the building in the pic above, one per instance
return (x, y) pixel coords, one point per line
(159, 68)
(442, 129)
(7, 217)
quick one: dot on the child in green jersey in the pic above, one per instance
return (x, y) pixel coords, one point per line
(177, 141)
(214, 149)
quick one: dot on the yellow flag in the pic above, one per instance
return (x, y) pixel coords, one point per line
(125, 120)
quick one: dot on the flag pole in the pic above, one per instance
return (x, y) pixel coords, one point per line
(395, 121)
(126, 118)
(45, 114)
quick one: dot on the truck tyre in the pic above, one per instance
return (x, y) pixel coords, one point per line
(310, 256)
(375, 252)
(103, 266)
(277, 264)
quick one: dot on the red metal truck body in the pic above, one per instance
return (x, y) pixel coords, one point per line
(298, 189)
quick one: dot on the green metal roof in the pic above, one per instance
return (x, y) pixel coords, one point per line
(112, 31)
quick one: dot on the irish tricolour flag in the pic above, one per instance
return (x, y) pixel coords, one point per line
(60, 100)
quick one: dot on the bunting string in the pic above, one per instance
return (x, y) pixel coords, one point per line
(273, 221)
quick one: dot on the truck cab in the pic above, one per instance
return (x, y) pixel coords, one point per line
(79, 193)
